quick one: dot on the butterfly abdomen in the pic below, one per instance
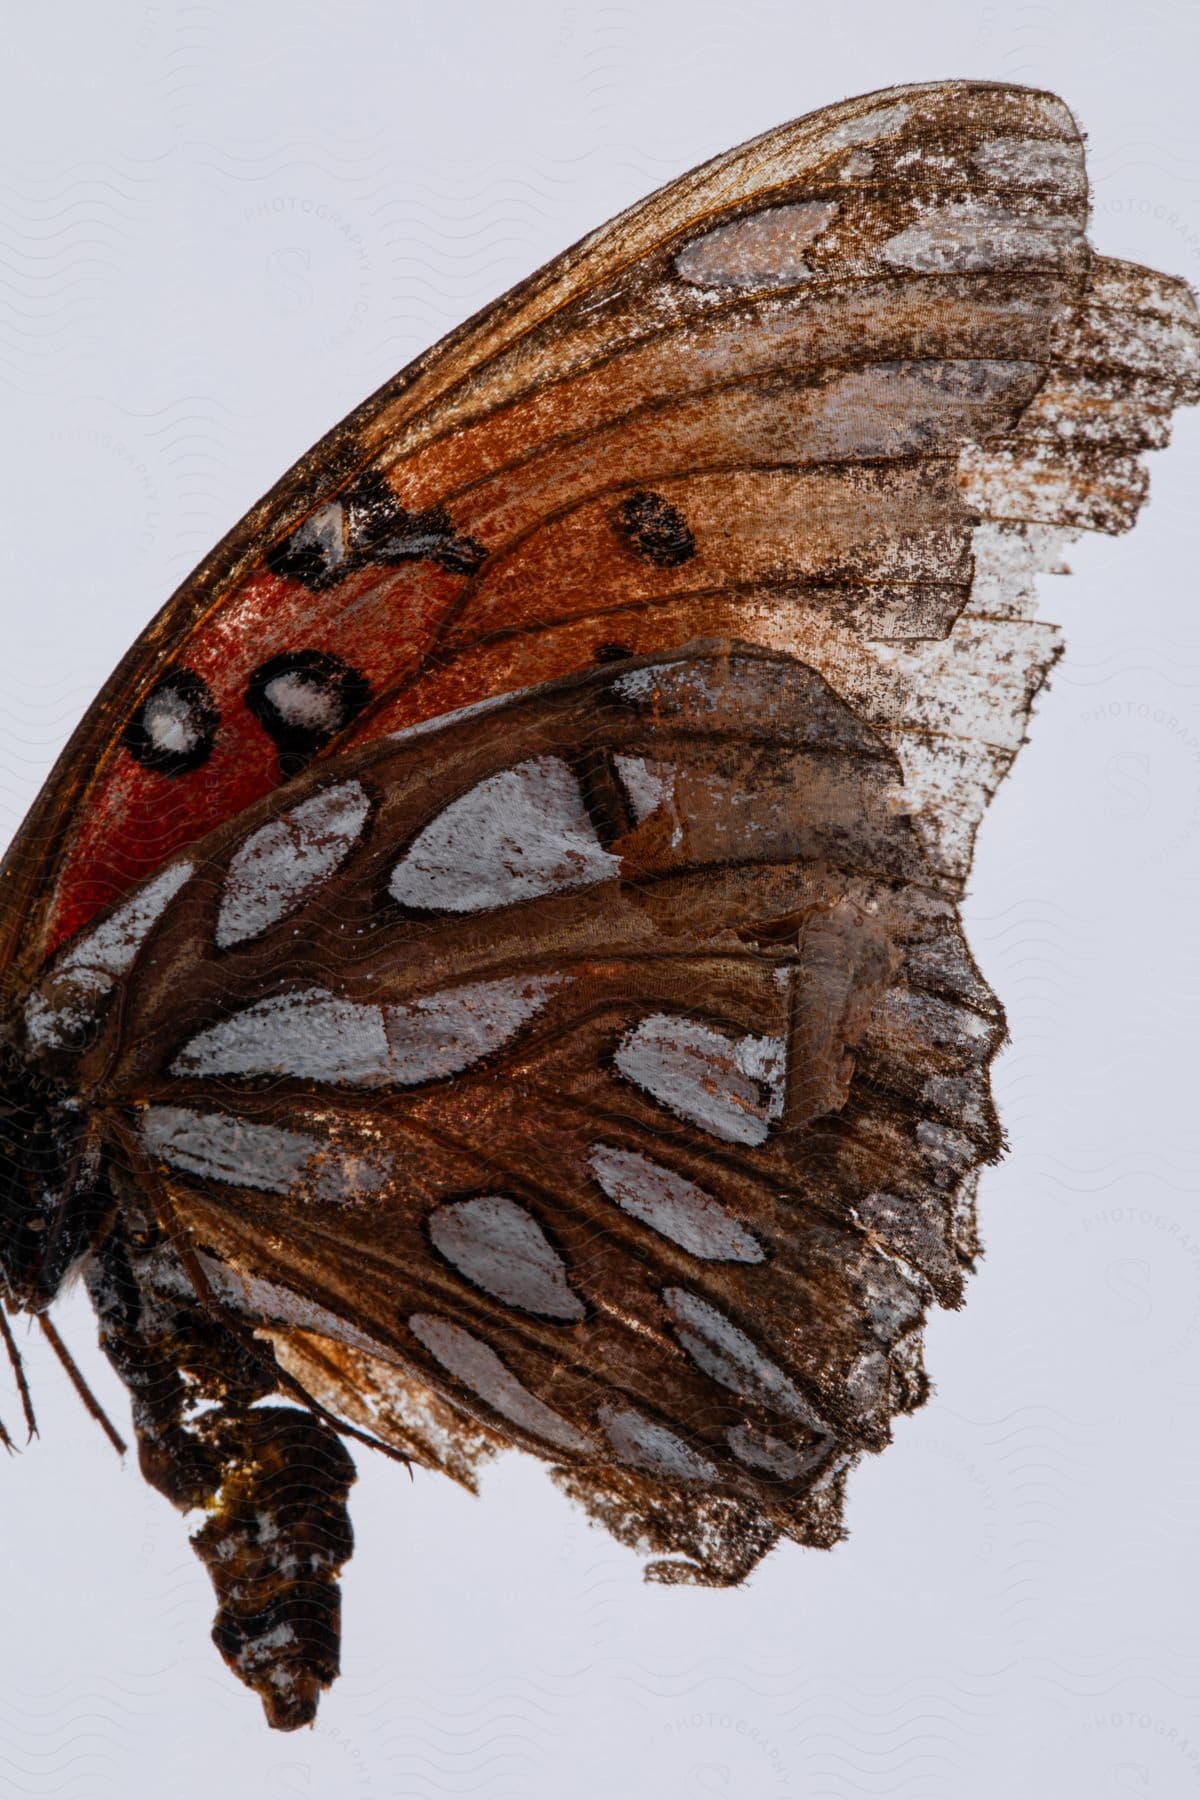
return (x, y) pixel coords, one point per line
(273, 1545)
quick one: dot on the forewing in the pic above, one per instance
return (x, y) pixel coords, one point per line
(608, 1060)
(771, 401)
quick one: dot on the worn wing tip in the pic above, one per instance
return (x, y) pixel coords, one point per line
(1054, 108)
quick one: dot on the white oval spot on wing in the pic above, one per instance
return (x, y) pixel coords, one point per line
(731, 1086)
(858, 166)
(448, 1032)
(642, 1444)
(644, 684)
(314, 1035)
(281, 864)
(762, 1451)
(61, 1007)
(673, 1206)
(716, 1345)
(70, 995)
(869, 128)
(970, 234)
(1033, 162)
(767, 249)
(112, 945)
(304, 702)
(519, 834)
(649, 783)
(169, 722)
(220, 1146)
(477, 1366)
(260, 1300)
(308, 1033)
(499, 1246)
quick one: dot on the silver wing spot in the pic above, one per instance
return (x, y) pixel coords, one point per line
(219, 1146)
(111, 946)
(282, 863)
(71, 994)
(767, 249)
(716, 1345)
(673, 1206)
(968, 235)
(521, 833)
(650, 785)
(315, 1035)
(732, 1087)
(642, 1444)
(498, 1245)
(761, 1451)
(477, 1366)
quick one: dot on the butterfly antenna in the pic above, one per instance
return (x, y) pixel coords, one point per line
(81, 1387)
(229, 1320)
(18, 1369)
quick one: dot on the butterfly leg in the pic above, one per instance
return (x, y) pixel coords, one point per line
(272, 1479)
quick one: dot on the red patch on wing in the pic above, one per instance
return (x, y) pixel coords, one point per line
(378, 620)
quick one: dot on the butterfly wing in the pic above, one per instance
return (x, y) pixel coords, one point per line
(651, 1169)
(756, 404)
(607, 1059)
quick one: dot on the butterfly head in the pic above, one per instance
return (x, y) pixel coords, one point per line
(51, 1207)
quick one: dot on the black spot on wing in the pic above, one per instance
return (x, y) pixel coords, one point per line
(368, 525)
(379, 529)
(655, 530)
(175, 727)
(315, 553)
(603, 796)
(303, 699)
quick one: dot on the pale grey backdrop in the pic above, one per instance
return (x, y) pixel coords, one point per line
(220, 227)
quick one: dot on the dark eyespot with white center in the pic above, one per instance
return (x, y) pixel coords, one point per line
(673, 1206)
(476, 1365)
(718, 1347)
(284, 862)
(655, 530)
(315, 553)
(496, 1244)
(302, 700)
(766, 249)
(315, 1035)
(518, 835)
(175, 727)
(642, 1443)
(732, 1087)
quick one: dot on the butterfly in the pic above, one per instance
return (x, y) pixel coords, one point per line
(487, 970)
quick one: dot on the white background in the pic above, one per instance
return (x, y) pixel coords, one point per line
(220, 227)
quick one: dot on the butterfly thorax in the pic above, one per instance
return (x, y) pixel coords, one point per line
(52, 1203)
